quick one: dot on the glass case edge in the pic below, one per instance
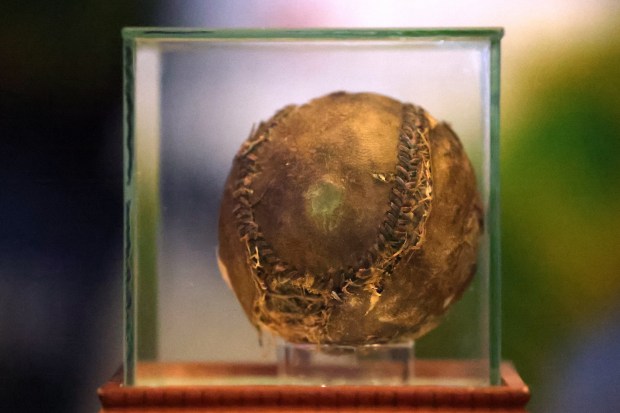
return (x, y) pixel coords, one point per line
(493, 33)
(128, 218)
(494, 214)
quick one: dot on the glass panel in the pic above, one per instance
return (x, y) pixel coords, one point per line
(191, 99)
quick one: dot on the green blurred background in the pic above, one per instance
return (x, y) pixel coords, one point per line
(61, 188)
(561, 221)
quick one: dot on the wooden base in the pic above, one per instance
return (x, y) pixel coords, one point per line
(510, 397)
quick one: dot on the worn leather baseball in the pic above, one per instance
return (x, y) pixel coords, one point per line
(352, 219)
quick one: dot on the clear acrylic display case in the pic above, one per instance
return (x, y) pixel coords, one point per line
(191, 98)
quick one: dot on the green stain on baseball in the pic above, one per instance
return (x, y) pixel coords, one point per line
(323, 200)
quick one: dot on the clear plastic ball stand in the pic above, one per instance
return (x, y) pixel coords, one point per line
(329, 364)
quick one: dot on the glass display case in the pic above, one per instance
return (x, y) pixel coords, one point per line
(192, 98)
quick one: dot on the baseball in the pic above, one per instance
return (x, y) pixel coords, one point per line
(351, 219)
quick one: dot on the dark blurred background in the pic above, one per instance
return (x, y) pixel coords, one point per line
(61, 188)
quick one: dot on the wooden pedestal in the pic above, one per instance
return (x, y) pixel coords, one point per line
(510, 397)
